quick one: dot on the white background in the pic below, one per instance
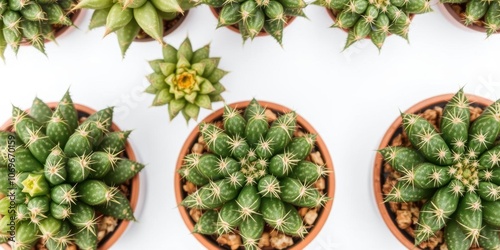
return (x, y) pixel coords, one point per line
(351, 98)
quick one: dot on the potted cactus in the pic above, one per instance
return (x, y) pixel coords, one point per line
(254, 174)
(436, 174)
(185, 80)
(255, 17)
(482, 16)
(33, 22)
(72, 178)
(374, 20)
(136, 20)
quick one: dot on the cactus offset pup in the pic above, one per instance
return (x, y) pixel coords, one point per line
(66, 173)
(254, 174)
(456, 169)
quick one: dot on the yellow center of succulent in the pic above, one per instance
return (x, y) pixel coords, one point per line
(185, 80)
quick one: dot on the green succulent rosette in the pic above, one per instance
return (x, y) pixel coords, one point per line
(186, 80)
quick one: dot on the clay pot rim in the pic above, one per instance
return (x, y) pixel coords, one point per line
(134, 186)
(192, 138)
(165, 32)
(450, 14)
(61, 31)
(261, 33)
(334, 18)
(378, 164)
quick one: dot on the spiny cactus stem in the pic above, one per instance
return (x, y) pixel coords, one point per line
(271, 187)
(457, 190)
(439, 214)
(215, 190)
(85, 162)
(192, 160)
(408, 177)
(247, 212)
(233, 180)
(488, 174)
(475, 206)
(472, 233)
(266, 144)
(70, 196)
(113, 157)
(425, 230)
(289, 161)
(34, 136)
(494, 193)
(111, 194)
(90, 226)
(425, 138)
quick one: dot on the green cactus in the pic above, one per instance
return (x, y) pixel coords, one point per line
(254, 16)
(186, 80)
(130, 18)
(32, 22)
(476, 12)
(238, 188)
(374, 19)
(65, 176)
(454, 168)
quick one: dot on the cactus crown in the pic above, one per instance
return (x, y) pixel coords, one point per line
(457, 169)
(254, 173)
(67, 169)
(127, 18)
(254, 16)
(374, 19)
(186, 80)
(32, 22)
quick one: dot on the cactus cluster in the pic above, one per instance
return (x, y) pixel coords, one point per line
(66, 173)
(374, 19)
(31, 22)
(484, 13)
(254, 173)
(128, 17)
(253, 16)
(186, 80)
(456, 169)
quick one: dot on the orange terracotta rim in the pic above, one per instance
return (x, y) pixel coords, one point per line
(134, 186)
(206, 241)
(454, 17)
(165, 31)
(62, 30)
(333, 16)
(394, 130)
(215, 12)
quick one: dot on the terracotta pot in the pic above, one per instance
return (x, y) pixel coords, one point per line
(334, 18)
(208, 242)
(234, 27)
(166, 30)
(457, 20)
(110, 239)
(76, 17)
(378, 171)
